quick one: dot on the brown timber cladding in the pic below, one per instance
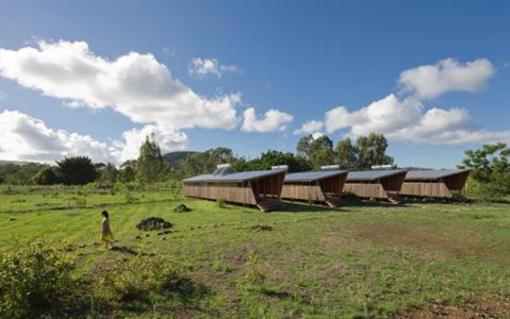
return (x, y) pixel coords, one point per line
(385, 187)
(315, 191)
(251, 192)
(303, 192)
(445, 187)
(237, 194)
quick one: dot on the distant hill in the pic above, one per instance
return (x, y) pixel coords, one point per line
(3, 162)
(175, 158)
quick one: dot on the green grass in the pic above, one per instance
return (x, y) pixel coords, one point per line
(364, 260)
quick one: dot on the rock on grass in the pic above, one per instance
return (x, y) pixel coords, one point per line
(153, 223)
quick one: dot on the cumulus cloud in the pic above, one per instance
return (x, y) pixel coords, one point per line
(168, 140)
(201, 67)
(272, 121)
(430, 81)
(135, 85)
(310, 127)
(407, 118)
(407, 121)
(25, 138)
(384, 115)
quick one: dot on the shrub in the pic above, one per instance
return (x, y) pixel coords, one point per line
(47, 176)
(140, 278)
(221, 203)
(255, 274)
(33, 278)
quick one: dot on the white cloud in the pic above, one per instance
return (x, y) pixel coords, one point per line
(168, 140)
(448, 127)
(135, 85)
(201, 67)
(316, 135)
(25, 138)
(384, 115)
(273, 120)
(310, 127)
(407, 119)
(430, 81)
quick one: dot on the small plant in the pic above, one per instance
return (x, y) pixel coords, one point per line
(77, 202)
(221, 203)
(255, 274)
(131, 199)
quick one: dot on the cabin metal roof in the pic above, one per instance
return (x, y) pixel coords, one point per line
(432, 174)
(368, 176)
(233, 177)
(312, 176)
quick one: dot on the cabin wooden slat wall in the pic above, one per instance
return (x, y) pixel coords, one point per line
(319, 190)
(254, 191)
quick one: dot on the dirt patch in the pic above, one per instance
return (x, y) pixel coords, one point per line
(153, 223)
(429, 239)
(261, 227)
(475, 307)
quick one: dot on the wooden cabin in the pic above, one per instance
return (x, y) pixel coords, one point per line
(256, 188)
(323, 186)
(435, 183)
(382, 184)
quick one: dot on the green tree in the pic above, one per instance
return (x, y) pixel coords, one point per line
(20, 174)
(108, 174)
(372, 151)
(206, 162)
(272, 158)
(150, 166)
(127, 171)
(490, 169)
(77, 170)
(47, 176)
(319, 151)
(346, 154)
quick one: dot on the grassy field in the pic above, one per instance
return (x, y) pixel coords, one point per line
(362, 260)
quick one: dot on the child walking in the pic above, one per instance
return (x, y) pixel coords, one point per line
(107, 235)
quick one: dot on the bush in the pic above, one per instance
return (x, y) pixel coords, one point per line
(33, 278)
(255, 274)
(221, 203)
(140, 278)
(47, 176)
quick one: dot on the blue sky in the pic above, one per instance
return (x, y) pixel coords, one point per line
(302, 59)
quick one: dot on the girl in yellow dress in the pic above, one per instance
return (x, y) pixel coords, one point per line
(107, 235)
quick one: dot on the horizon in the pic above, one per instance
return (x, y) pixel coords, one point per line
(432, 77)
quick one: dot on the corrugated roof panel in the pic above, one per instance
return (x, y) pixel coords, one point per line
(312, 176)
(234, 177)
(433, 174)
(372, 175)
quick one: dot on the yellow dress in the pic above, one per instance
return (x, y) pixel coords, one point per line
(107, 235)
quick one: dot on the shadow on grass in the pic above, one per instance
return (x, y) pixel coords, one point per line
(358, 202)
(187, 291)
(124, 250)
(439, 200)
(299, 207)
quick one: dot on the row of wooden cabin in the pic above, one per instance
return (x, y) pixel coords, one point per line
(264, 188)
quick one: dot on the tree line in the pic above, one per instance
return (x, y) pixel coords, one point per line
(311, 154)
(490, 164)
(151, 166)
